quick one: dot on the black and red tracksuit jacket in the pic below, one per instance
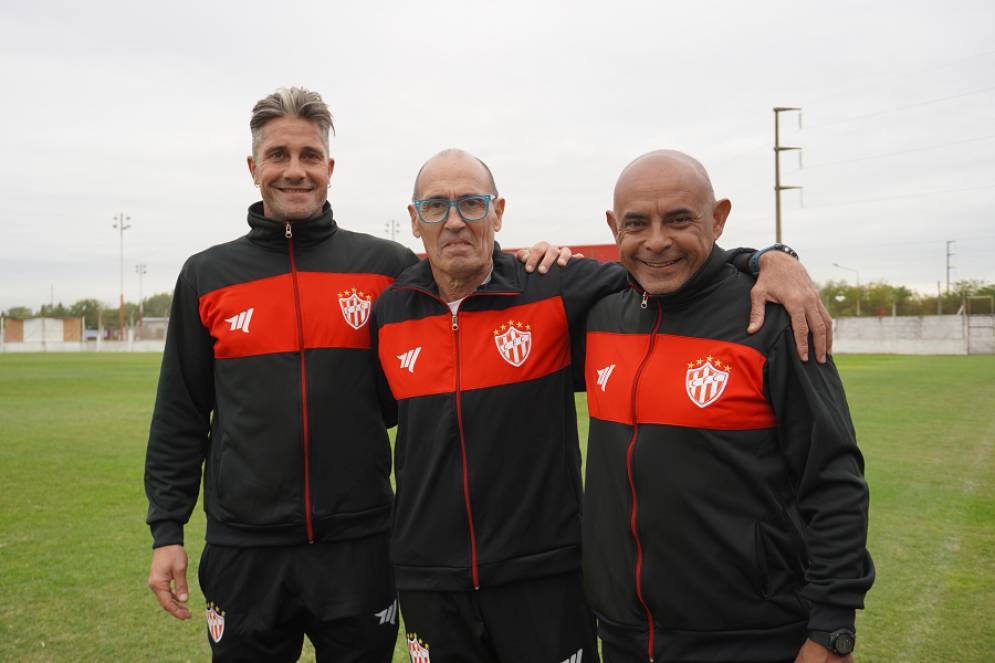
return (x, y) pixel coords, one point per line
(268, 384)
(726, 509)
(487, 460)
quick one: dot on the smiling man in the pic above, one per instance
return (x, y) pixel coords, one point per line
(725, 505)
(267, 386)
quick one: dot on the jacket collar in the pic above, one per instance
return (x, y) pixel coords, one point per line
(700, 282)
(505, 277)
(308, 231)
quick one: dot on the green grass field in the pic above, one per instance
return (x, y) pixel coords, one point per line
(74, 550)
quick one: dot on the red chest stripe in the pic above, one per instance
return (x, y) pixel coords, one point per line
(419, 356)
(258, 317)
(692, 382)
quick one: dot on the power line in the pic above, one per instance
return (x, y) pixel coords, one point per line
(901, 197)
(898, 152)
(896, 109)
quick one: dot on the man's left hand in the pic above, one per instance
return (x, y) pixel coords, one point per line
(783, 280)
(544, 255)
(812, 652)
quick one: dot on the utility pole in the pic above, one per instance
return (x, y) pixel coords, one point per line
(851, 269)
(141, 270)
(778, 148)
(392, 228)
(121, 224)
(949, 255)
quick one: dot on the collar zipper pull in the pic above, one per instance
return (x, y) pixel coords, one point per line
(289, 233)
(455, 322)
(642, 305)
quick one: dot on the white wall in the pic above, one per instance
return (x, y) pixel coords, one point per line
(915, 335)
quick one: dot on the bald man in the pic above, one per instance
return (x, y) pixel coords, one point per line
(725, 506)
(477, 353)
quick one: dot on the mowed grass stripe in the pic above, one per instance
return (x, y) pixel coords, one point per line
(74, 549)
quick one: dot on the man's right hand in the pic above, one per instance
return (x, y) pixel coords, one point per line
(169, 568)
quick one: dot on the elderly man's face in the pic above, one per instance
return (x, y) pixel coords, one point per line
(665, 223)
(455, 247)
(292, 169)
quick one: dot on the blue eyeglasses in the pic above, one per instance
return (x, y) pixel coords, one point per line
(470, 208)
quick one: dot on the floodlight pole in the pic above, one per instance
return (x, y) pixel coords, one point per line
(141, 270)
(778, 148)
(949, 255)
(851, 269)
(121, 225)
(392, 228)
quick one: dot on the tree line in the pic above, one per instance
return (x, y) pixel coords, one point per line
(876, 299)
(96, 313)
(880, 298)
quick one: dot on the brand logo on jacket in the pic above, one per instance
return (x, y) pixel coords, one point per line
(604, 374)
(514, 341)
(409, 358)
(388, 615)
(356, 306)
(706, 379)
(417, 649)
(240, 321)
(575, 658)
(215, 621)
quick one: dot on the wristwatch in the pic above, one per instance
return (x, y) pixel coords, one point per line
(755, 258)
(840, 642)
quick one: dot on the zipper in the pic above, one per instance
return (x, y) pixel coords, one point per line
(462, 448)
(289, 234)
(630, 452)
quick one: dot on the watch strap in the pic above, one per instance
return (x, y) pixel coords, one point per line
(755, 258)
(840, 642)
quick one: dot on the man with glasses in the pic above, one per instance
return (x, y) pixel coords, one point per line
(477, 353)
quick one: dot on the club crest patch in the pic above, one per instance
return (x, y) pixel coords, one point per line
(514, 341)
(356, 306)
(417, 649)
(706, 380)
(215, 621)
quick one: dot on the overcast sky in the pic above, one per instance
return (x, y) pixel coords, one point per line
(138, 108)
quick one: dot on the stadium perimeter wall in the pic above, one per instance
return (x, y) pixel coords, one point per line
(915, 335)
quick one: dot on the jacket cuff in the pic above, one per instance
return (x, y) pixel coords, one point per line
(166, 533)
(740, 259)
(830, 618)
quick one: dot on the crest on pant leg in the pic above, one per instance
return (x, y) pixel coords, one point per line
(215, 621)
(417, 649)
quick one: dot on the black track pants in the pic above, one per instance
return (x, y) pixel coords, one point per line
(545, 620)
(261, 602)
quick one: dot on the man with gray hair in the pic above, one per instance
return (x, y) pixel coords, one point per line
(267, 383)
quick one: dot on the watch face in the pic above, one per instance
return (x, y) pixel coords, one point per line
(843, 644)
